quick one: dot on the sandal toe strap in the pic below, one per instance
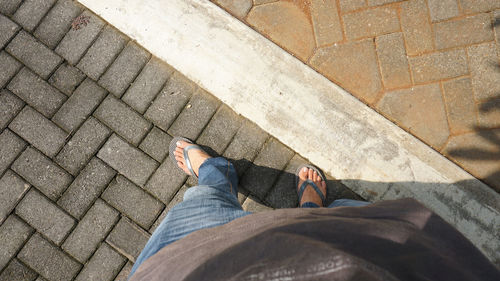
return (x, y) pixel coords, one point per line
(186, 157)
(303, 187)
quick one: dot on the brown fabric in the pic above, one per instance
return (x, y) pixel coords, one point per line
(391, 240)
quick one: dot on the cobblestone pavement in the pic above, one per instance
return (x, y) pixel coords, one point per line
(430, 66)
(86, 116)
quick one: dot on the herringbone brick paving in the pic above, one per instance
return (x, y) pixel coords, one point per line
(86, 116)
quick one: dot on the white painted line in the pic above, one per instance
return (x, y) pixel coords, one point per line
(306, 111)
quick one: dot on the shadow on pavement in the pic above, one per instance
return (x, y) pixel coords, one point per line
(490, 135)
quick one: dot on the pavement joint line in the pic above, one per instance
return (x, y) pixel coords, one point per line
(114, 58)
(209, 119)
(275, 182)
(42, 18)
(12, 212)
(92, 42)
(33, 231)
(154, 99)
(133, 80)
(248, 89)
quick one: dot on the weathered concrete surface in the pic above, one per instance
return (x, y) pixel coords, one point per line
(267, 85)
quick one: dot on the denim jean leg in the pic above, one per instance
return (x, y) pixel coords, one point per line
(212, 203)
(348, 203)
(219, 173)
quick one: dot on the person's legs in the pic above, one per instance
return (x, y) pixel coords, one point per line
(212, 203)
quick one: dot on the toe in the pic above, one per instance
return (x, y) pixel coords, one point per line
(180, 160)
(303, 173)
(178, 153)
(181, 144)
(323, 184)
(310, 174)
(315, 176)
(178, 149)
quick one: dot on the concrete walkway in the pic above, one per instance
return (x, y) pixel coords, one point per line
(86, 116)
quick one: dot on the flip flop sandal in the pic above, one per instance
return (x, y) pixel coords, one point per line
(173, 146)
(304, 185)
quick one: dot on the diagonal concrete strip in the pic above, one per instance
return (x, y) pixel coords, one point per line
(307, 112)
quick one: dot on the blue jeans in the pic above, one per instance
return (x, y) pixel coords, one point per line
(212, 203)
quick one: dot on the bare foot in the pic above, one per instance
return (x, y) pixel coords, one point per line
(310, 195)
(196, 156)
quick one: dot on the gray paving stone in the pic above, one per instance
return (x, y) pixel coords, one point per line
(10, 106)
(48, 260)
(123, 120)
(242, 194)
(12, 188)
(132, 201)
(123, 275)
(102, 53)
(336, 190)
(171, 100)
(57, 22)
(284, 192)
(195, 116)
(254, 205)
(33, 54)
(31, 12)
(8, 29)
(9, 7)
(36, 92)
(158, 220)
(11, 147)
(77, 41)
(13, 233)
(17, 271)
(128, 160)
(82, 146)
(10, 66)
(156, 144)
(260, 177)
(128, 239)
(41, 172)
(124, 69)
(85, 189)
(245, 145)
(103, 265)
(221, 129)
(66, 78)
(79, 105)
(166, 181)
(38, 131)
(45, 216)
(191, 181)
(179, 197)
(147, 85)
(90, 231)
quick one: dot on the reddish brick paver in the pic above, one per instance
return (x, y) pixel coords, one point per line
(431, 66)
(286, 24)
